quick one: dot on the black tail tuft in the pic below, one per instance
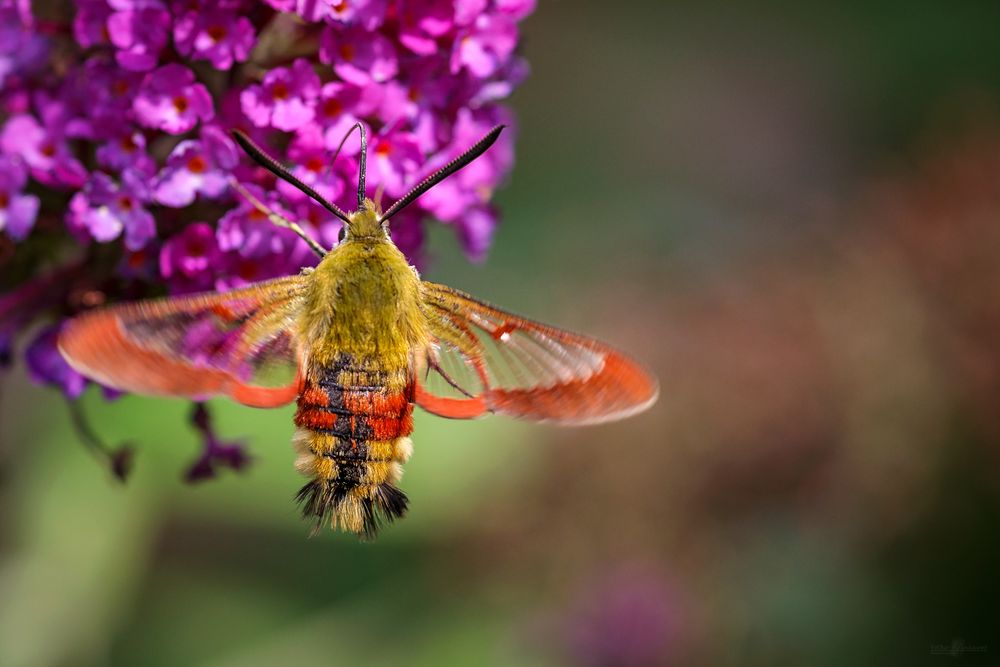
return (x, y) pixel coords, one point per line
(320, 500)
(316, 501)
(384, 505)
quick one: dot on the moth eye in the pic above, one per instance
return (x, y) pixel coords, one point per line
(341, 234)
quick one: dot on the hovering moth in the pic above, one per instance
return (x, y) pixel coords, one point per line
(356, 342)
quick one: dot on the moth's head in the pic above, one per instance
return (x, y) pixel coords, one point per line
(365, 223)
(368, 222)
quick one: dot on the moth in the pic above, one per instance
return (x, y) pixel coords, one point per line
(356, 342)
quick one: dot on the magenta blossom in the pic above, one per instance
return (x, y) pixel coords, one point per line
(466, 11)
(106, 209)
(17, 210)
(408, 235)
(217, 35)
(426, 92)
(46, 365)
(516, 9)
(139, 34)
(127, 150)
(44, 149)
(188, 261)
(470, 189)
(475, 231)
(308, 10)
(99, 97)
(484, 46)
(359, 56)
(196, 167)
(22, 50)
(284, 99)
(394, 161)
(341, 105)
(90, 24)
(246, 230)
(368, 14)
(317, 221)
(238, 270)
(311, 156)
(424, 23)
(171, 100)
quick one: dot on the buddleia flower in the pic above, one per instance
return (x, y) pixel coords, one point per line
(116, 164)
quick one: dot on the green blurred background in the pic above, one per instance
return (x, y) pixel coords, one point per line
(792, 213)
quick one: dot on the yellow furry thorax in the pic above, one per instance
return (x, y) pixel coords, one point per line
(364, 301)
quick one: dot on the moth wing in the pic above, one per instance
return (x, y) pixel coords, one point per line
(240, 344)
(483, 359)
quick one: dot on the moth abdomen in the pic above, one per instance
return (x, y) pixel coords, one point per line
(352, 441)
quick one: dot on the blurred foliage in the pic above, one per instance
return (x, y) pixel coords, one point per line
(791, 213)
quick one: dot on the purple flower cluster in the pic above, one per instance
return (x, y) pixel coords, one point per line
(115, 151)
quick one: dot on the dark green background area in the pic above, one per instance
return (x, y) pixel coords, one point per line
(812, 488)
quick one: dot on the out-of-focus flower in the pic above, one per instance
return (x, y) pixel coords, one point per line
(195, 167)
(171, 100)
(366, 13)
(189, 259)
(323, 227)
(17, 210)
(408, 235)
(284, 100)
(44, 149)
(126, 150)
(394, 161)
(340, 105)
(220, 36)
(426, 23)
(310, 157)
(101, 96)
(106, 209)
(484, 46)
(518, 9)
(475, 229)
(90, 23)
(247, 231)
(470, 189)
(46, 365)
(22, 50)
(627, 620)
(139, 31)
(359, 56)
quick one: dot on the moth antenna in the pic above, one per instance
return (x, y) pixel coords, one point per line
(276, 218)
(269, 163)
(444, 172)
(379, 191)
(362, 166)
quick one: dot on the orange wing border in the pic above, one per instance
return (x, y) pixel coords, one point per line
(98, 344)
(526, 369)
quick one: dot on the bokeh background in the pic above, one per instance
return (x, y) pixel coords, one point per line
(791, 212)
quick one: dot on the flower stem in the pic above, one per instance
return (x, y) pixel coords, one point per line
(119, 460)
